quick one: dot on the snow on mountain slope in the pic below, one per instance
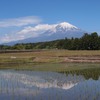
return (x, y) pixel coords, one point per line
(65, 26)
(51, 32)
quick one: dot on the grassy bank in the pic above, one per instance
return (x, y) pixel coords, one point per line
(58, 67)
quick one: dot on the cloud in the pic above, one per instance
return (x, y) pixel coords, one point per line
(26, 32)
(37, 29)
(11, 37)
(22, 21)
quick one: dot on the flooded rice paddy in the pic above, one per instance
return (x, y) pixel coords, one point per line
(35, 85)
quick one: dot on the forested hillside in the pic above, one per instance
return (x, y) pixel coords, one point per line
(86, 42)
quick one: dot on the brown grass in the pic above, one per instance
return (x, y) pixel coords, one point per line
(52, 56)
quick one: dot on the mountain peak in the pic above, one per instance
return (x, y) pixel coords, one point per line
(66, 25)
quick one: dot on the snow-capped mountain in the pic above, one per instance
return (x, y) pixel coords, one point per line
(53, 32)
(64, 27)
(63, 30)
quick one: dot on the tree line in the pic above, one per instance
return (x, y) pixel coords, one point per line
(86, 42)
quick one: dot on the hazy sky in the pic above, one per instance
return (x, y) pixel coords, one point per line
(16, 15)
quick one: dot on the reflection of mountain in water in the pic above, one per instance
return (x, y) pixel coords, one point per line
(43, 79)
(45, 85)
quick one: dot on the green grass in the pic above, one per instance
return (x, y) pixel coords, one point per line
(93, 73)
(58, 67)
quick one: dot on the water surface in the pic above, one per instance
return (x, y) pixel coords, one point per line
(33, 85)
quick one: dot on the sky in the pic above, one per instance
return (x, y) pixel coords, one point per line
(18, 17)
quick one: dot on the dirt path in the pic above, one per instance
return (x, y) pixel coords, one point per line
(92, 59)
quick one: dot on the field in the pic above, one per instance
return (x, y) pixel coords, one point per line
(51, 60)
